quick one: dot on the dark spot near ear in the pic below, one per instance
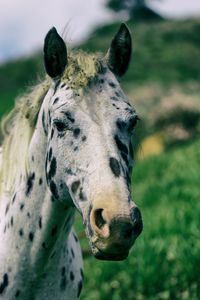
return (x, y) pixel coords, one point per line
(40, 222)
(17, 294)
(21, 232)
(101, 81)
(75, 185)
(43, 123)
(56, 86)
(29, 184)
(53, 189)
(80, 285)
(112, 84)
(120, 145)
(4, 283)
(54, 230)
(115, 167)
(71, 275)
(62, 85)
(52, 133)
(52, 170)
(69, 116)
(40, 181)
(76, 132)
(84, 138)
(56, 100)
(121, 124)
(31, 236)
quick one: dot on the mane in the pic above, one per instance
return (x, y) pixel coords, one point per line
(18, 126)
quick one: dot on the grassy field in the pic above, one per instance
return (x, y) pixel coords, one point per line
(165, 261)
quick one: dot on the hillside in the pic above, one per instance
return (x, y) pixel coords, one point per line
(165, 53)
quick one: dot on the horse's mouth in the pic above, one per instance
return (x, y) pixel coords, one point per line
(111, 256)
(114, 254)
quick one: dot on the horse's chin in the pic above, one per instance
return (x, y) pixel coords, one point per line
(111, 256)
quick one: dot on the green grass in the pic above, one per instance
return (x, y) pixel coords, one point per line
(165, 261)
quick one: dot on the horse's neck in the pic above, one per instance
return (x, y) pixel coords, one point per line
(33, 223)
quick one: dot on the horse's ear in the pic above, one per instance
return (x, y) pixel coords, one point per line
(55, 54)
(119, 54)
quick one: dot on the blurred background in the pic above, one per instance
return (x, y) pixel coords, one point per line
(163, 83)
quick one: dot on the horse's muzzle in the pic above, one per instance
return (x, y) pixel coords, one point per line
(113, 237)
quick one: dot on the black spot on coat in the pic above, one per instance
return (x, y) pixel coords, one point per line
(17, 294)
(52, 170)
(54, 230)
(71, 276)
(4, 283)
(120, 145)
(115, 167)
(69, 116)
(31, 236)
(40, 222)
(21, 232)
(53, 189)
(75, 185)
(80, 285)
(43, 123)
(76, 132)
(29, 184)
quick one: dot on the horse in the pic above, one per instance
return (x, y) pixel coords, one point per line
(67, 147)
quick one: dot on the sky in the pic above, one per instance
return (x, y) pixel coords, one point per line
(24, 23)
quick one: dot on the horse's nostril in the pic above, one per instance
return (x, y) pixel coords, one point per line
(98, 217)
(137, 221)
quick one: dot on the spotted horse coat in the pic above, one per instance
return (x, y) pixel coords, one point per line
(67, 147)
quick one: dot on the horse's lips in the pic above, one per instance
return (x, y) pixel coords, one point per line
(114, 255)
(111, 256)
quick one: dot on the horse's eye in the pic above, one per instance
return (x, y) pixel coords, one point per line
(133, 123)
(60, 125)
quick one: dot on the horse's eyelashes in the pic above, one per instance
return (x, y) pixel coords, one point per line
(60, 125)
